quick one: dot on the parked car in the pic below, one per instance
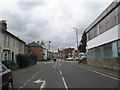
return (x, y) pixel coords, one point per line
(82, 56)
(70, 59)
(76, 58)
(6, 80)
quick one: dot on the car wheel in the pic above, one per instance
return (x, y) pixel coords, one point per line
(10, 86)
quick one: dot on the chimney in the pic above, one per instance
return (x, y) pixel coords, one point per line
(3, 25)
(38, 42)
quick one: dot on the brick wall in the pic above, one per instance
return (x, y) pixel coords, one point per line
(37, 51)
(110, 63)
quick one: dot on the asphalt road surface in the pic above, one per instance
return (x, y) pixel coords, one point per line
(65, 75)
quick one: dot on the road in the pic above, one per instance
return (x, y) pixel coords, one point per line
(65, 75)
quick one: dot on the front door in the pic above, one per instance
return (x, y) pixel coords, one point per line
(12, 56)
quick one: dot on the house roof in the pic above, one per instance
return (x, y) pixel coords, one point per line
(34, 44)
(5, 31)
(13, 36)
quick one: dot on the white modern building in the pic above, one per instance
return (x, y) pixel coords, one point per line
(10, 45)
(103, 38)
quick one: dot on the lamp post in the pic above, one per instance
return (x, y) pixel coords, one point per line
(49, 49)
(76, 38)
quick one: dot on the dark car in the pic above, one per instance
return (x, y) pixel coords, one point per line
(6, 80)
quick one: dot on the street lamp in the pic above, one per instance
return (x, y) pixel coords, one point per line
(49, 49)
(49, 45)
(76, 36)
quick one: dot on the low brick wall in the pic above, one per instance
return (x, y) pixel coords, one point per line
(110, 63)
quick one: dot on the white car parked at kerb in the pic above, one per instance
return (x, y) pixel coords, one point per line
(70, 58)
(82, 56)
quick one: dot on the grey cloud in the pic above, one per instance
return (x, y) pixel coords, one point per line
(15, 21)
(29, 5)
(52, 23)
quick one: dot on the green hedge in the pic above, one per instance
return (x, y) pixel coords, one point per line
(25, 60)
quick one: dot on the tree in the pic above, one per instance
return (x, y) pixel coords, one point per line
(83, 43)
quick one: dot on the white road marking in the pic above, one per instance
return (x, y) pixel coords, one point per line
(56, 64)
(25, 84)
(35, 74)
(66, 87)
(20, 87)
(60, 72)
(64, 83)
(43, 83)
(31, 78)
(53, 66)
(59, 64)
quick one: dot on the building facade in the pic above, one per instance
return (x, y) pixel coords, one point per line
(68, 52)
(103, 38)
(10, 45)
(37, 49)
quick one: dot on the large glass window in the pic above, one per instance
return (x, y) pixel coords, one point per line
(107, 50)
(98, 52)
(119, 48)
(114, 49)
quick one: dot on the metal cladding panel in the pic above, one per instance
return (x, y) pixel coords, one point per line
(106, 37)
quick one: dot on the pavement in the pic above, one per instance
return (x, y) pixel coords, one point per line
(65, 75)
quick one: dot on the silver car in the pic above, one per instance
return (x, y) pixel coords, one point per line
(6, 80)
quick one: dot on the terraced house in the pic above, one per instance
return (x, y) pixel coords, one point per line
(10, 45)
(103, 38)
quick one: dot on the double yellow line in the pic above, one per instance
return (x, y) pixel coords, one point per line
(115, 77)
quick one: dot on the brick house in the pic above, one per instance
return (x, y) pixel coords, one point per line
(68, 52)
(36, 49)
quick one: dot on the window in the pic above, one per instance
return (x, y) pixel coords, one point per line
(6, 41)
(98, 29)
(91, 34)
(98, 52)
(107, 22)
(95, 31)
(6, 55)
(107, 50)
(112, 19)
(114, 49)
(102, 26)
(88, 36)
(119, 48)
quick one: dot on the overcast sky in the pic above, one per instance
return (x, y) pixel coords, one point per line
(50, 20)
